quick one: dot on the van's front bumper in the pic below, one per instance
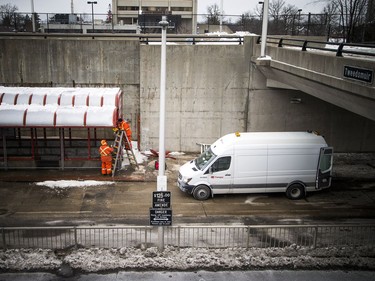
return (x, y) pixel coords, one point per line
(185, 187)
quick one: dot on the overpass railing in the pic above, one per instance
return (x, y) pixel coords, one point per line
(230, 39)
(339, 48)
(210, 236)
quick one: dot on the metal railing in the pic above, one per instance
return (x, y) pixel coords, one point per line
(203, 146)
(280, 236)
(338, 48)
(143, 39)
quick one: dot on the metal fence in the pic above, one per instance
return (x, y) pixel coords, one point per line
(314, 236)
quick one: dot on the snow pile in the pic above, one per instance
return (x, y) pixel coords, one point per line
(172, 258)
(139, 156)
(28, 259)
(216, 259)
(65, 184)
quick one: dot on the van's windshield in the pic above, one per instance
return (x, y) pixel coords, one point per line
(204, 159)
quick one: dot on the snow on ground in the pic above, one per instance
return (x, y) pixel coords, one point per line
(72, 183)
(61, 185)
(172, 258)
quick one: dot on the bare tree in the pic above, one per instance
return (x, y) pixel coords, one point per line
(275, 9)
(352, 15)
(249, 22)
(289, 14)
(282, 17)
(213, 16)
(7, 14)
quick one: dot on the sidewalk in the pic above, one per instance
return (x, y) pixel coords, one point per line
(145, 173)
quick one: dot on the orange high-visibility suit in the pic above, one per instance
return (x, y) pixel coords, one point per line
(123, 125)
(106, 158)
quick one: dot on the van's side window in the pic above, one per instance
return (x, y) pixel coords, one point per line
(221, 164)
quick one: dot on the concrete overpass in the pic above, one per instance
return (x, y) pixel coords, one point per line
(344, 78)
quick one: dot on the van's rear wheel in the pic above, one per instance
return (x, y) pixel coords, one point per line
(201, 192)
(295, 191)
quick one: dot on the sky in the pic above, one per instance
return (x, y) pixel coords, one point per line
(230, 7)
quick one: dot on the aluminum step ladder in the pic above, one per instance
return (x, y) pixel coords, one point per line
(121, 144)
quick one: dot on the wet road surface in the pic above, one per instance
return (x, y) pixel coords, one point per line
(26, 204)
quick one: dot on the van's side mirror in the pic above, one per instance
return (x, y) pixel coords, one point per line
(210, 170)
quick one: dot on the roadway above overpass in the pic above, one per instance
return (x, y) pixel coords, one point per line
(346, 81)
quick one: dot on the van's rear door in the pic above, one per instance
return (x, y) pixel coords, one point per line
(324, 171)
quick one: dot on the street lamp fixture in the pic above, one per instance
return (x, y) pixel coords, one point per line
(261, 15)
(92, 12)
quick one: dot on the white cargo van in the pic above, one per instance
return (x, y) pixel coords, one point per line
(290, 162)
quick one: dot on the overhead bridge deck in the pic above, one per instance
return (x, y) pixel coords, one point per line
(341, 74)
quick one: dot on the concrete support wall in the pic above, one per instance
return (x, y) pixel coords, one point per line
(274, 110)
(206, 94)
(212, 90)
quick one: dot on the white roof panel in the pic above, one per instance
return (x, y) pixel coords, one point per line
(8, 98)
(41, 116)
(14, 116)
(38, 99)
(101, 116)
(70, 116)
(59, 107)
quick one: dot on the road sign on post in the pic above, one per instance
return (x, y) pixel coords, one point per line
(161, 212)
(161, 199)
(160, 217)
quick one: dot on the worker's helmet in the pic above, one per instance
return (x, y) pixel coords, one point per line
(103, 142)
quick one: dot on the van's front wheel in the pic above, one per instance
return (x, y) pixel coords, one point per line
(295, 191)
(201, 192)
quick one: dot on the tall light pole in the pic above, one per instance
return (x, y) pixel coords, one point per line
(264, 28)
(33, 15)
(164, 24)
(162, 179)
(299, 19)
(221, 16)
(92, 12)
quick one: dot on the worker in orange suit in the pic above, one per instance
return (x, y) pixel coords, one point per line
(123, 125)
(106, 157)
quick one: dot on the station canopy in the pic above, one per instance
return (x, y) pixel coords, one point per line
(59, 107)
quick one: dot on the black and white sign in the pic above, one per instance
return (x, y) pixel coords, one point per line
(160, 217)
(359, 74)
(161, 199)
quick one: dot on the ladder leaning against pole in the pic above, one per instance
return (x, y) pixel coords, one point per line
(120, 145)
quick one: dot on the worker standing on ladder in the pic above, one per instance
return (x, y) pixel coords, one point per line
(106, 157)
(124, 126)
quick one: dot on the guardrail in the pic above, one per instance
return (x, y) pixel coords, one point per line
(203, 146)
(314, 236)
(338, 48)
(143, 38)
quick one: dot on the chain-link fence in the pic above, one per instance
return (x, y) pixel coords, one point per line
(297, 24)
